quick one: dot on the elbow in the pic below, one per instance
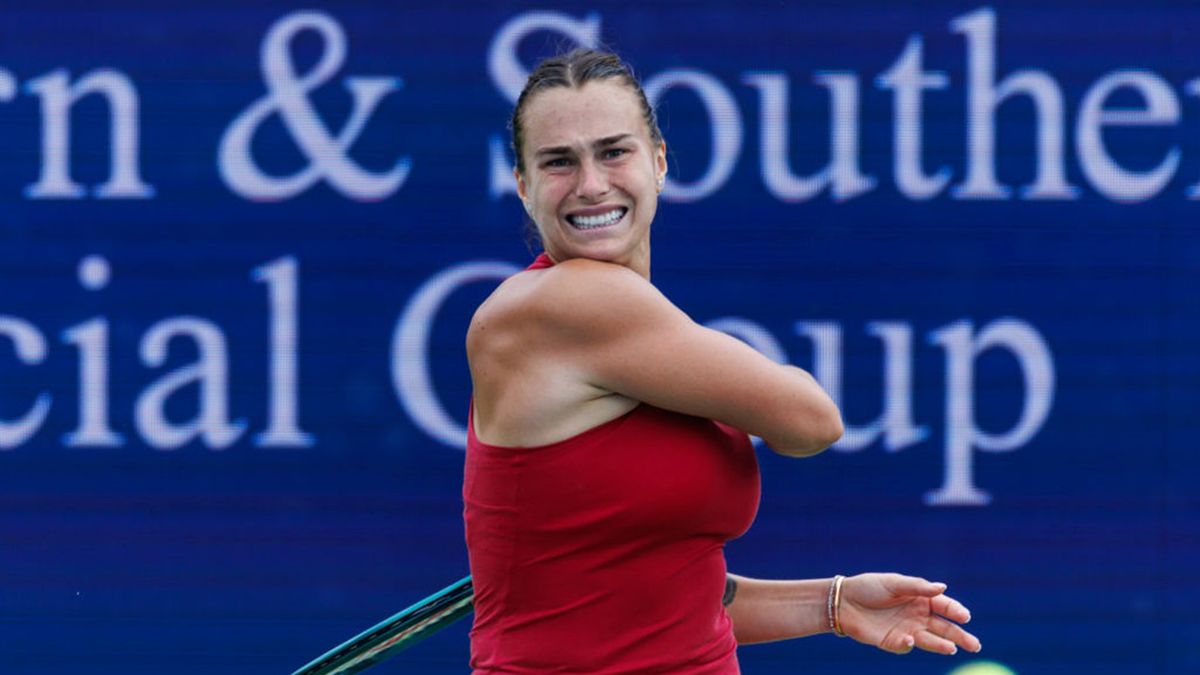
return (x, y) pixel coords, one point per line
(820, 432)
(833, 429)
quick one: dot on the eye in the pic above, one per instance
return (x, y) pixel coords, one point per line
(557, 162)
(613, 153)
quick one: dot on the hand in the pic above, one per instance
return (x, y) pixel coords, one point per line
(896, 613)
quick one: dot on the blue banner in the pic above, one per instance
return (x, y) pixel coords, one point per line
(240, 246)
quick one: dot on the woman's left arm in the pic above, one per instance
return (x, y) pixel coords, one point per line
(893, 612)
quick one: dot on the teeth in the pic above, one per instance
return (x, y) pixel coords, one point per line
(587, 222)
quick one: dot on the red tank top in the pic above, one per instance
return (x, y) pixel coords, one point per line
(604, 553)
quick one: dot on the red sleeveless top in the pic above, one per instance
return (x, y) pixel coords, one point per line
(604, 552)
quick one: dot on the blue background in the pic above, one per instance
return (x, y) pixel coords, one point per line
(254, 559)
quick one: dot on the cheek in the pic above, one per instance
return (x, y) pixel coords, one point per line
(645, 189)
(646, 179)
(549, 196)
(545, 207)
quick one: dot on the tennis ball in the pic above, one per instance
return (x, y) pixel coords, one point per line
(982, 668)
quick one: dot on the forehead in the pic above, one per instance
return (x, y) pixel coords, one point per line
(570, 116)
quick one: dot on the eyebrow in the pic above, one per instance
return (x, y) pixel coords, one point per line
(565, 150)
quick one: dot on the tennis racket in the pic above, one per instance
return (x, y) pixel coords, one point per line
(396, 633)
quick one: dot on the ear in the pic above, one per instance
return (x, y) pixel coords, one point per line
(660, 162)
(521, 186)
(522, 191)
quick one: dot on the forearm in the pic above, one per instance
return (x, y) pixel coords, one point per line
(766, 610)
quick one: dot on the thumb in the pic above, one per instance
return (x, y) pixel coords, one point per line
(897, 643)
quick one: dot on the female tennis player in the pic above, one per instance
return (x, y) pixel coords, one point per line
(608, 460)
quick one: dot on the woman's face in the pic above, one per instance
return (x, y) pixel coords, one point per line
(592, 174)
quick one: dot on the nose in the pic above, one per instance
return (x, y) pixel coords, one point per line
(592, 180)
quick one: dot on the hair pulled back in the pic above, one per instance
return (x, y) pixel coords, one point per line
(573, 70)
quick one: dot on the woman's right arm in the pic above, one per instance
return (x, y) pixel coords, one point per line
(624, 336)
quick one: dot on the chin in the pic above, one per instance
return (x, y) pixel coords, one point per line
(614, 254)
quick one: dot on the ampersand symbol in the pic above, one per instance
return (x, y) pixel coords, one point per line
(288, 96)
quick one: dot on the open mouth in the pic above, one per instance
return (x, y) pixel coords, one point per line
(599, 220)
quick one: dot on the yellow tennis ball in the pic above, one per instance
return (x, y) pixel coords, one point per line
(982, 668)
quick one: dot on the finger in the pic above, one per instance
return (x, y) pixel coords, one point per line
(954, 633)
(900, 584)
(950, 608)
(932, 643)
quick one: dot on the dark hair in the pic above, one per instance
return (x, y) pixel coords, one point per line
(573, 70)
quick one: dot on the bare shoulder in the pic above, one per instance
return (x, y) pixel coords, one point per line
(499, 328)
(580, 275)
(574, 295)
(524, 348)
(588, 299)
